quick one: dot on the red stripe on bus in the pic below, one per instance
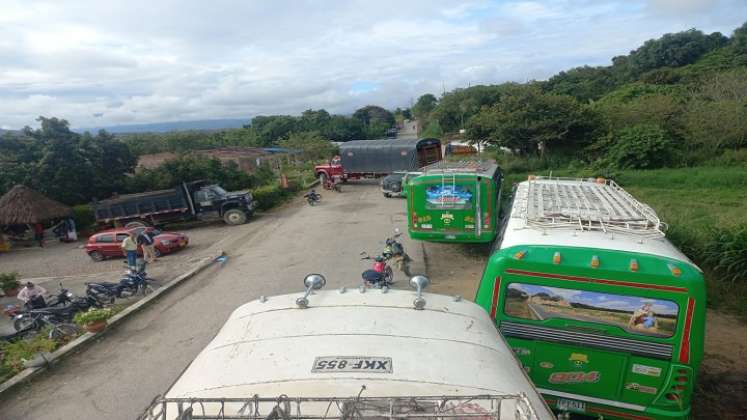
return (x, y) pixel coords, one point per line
(496, 292)
(685, 344)
(593, 280)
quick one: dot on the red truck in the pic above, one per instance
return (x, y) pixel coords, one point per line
(375, 158)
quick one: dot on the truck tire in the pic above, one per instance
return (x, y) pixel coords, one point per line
(234, 217)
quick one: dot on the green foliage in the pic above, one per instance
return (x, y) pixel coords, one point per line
(455, 108)
(9, 281)
(14, 354)
(726, 252)
(674, 50)
(64, 165)
(527, 120)
(433, 129)
(94, 315)
(642, 146)
(372, 114)
(83, 216)
(269, 196)
(191, 168)
(583, 83)
(424, 106)
(311, 145)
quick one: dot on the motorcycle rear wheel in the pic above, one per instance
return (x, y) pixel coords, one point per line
(23, 323)
(64, 331)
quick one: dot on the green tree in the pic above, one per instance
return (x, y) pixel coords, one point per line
(642, 146)
(674, 50)
(424, 106)
(373, 114)
(583, 83)
(310, 144)
(530, 121)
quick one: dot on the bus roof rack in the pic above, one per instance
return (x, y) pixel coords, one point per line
(498, 407)
(487, 167)
(584, 204)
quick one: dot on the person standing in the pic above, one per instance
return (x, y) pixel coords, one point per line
(145, 240)
(39, 233)
(129, 246)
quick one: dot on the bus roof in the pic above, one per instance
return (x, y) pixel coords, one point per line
(272, 347)
(588, 213)
(485, 168)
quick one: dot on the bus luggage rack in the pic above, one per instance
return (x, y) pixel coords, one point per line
(465, 166)
(509, 406)
(585, 204)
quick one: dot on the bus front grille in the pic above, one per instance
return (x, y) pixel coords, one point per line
(617, 344)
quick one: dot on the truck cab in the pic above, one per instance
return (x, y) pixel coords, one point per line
(211, 201)
(330, 170)
(358, 353)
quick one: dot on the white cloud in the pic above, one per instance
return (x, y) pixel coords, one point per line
(98, 63)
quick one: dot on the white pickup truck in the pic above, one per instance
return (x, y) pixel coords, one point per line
(356, 353)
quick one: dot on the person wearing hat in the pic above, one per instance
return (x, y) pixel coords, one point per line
(32, 296)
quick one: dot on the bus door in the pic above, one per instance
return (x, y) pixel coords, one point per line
(579, 343)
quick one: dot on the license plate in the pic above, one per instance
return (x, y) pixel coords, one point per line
(571, 405)
(331, 364)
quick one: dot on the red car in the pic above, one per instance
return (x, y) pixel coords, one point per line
(107, 243)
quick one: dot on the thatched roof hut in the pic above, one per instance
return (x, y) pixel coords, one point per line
(23, 205)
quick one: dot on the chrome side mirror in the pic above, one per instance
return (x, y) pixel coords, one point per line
(311, 282)
(419, 283)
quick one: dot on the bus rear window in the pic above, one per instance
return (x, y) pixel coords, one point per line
(449, 196)
(636, 315)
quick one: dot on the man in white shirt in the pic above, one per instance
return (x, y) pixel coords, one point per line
(32, 295)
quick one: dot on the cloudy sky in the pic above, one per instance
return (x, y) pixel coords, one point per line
(124, 62)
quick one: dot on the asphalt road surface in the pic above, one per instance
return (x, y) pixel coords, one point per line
(119, 375)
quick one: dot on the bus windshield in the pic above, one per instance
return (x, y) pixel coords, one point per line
(635, 315)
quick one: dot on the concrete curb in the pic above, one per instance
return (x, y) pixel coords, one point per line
(87, 338)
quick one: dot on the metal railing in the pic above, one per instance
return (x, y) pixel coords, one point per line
(508, 406)
(585, 204)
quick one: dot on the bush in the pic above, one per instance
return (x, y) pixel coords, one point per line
(642, 146)
(9, 281)
(270, 196)
(94, 315)
(83, 216)
(726, 252)
(14, 354)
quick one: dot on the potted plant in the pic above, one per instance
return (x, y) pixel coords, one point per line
(94, 320)
(9, 283)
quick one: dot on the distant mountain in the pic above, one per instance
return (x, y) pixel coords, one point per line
(162, 127)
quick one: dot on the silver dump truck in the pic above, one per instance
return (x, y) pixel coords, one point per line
(354, 354)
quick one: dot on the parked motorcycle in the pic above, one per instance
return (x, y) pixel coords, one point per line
(381, 275)
(36, 319)
(394, 251)
(61, 299)
(133, 283)
(313, 198)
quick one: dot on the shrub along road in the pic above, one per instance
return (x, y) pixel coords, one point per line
(117, 377)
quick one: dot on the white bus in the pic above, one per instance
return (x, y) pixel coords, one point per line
(358, 353)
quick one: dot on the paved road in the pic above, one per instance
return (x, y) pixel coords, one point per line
(116, 377)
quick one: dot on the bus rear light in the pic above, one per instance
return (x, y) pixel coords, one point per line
(634, 265)
(519, 255)
(679, 387)
(556, 258)
(673, 397)
(676, 271)
(681, 379)
(594, 262)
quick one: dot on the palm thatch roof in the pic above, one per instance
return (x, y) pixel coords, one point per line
(23, 205)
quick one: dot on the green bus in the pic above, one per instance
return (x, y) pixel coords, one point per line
(454, 202)
(605, 314)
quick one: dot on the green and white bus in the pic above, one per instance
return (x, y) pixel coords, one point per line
(454, 202)
(605, 314)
